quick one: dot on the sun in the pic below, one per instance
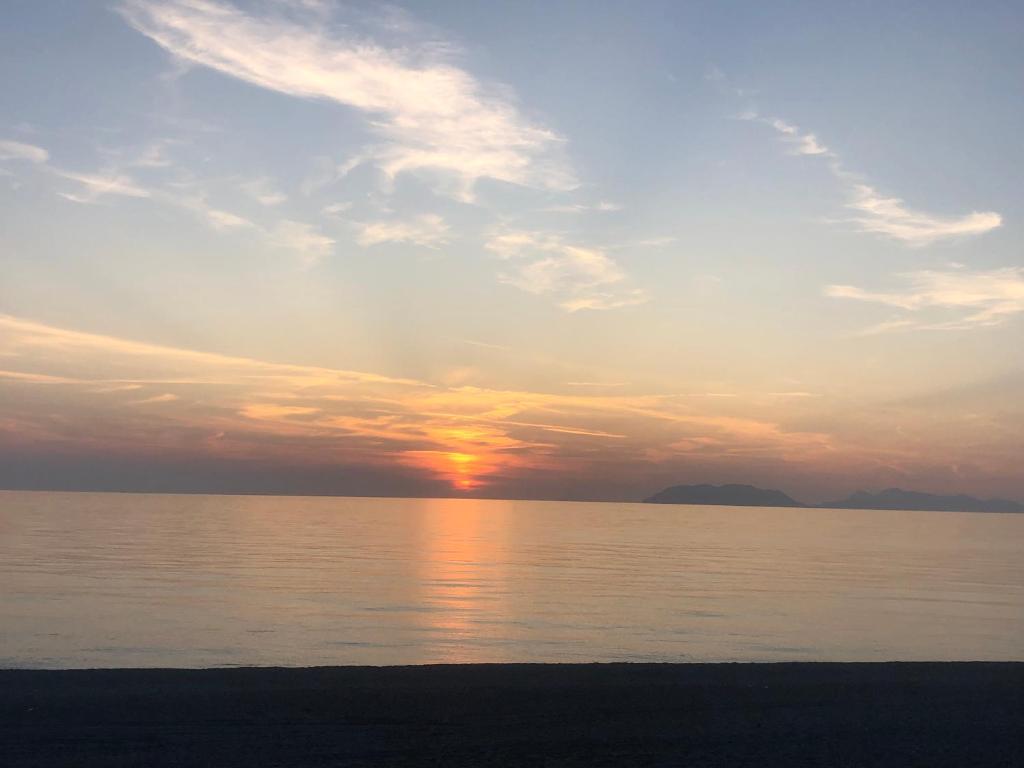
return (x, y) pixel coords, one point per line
(463, 469)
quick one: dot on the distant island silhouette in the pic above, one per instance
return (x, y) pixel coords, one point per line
(728, 495)
(735, 495)
(897, 498)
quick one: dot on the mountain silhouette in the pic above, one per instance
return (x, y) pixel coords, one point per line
(728, 495)
(897, 498)
(890, 498)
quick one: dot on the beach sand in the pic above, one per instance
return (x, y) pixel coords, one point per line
(941, 714)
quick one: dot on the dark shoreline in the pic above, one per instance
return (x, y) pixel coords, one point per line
(856, 714)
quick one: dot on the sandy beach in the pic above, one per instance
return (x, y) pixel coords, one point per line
(900, 714)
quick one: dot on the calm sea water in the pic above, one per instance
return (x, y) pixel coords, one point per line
(104, 580)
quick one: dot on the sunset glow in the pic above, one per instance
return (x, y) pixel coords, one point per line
(305, 248)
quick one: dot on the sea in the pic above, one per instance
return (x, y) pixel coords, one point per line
(126, 580)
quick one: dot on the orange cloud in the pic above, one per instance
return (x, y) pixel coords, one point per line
(116, 394)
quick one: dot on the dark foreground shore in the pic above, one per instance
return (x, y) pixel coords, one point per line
(968, 714)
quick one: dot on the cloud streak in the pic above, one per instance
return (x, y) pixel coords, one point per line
(302, 239)
(582, 277)
(603, 207)
(427, 230)
(976, 299)
(889, 216)
(801, 143)
(97, 185)
(875, 212)
(430, 116)
(263, 192)
(299, 238)
(17, 150)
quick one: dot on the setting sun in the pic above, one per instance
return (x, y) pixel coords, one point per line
(463, 464)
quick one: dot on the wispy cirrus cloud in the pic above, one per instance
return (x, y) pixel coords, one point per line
(603, 207)
(263, 191)
(115, 180)
(299, 238)
(650, 242)
(155, 153)
(336, 209)
(18, 150)
(582, 277)
(166, 397)
(225, 220)
(216, 218)
(873, 211)
(116, 177)
(891, 217)
(431, 116)
(93, 186)
(303, 239)
(800, 142)
(974, 299)
(427, 230)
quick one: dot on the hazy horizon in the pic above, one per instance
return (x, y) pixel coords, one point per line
(73, 482)
(516, 250)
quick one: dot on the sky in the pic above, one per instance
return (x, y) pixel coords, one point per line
(569, 250)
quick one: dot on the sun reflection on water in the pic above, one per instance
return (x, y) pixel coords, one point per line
(463, 576)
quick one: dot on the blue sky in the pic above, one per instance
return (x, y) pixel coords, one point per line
(736, 241)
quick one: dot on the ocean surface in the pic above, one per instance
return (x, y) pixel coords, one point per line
(122, 580)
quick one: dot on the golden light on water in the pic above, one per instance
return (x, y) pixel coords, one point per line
(463, 576)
